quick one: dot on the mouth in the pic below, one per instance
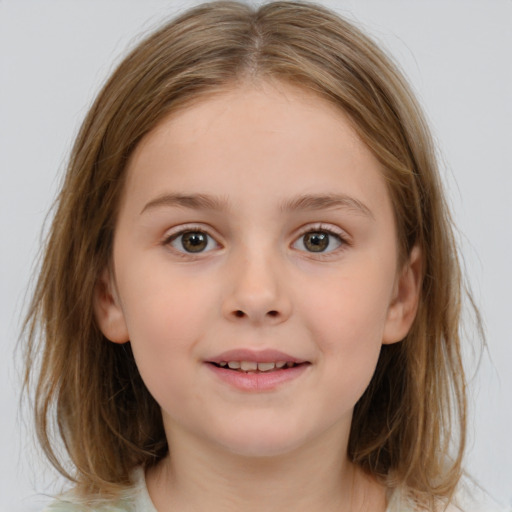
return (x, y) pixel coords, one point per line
(256, 371)
(257, 367)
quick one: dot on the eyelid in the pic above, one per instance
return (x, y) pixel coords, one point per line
(323, 226)
(190, 226)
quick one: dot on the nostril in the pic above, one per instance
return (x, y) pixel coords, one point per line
(238, 313)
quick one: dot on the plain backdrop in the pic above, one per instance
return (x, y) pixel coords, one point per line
(54, 54)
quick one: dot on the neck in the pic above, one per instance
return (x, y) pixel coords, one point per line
(198, 477)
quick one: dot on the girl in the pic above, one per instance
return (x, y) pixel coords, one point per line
(250, 293)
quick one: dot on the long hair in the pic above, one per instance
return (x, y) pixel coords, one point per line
(88, 392)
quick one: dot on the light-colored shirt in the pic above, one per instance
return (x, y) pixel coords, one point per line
(468, 498)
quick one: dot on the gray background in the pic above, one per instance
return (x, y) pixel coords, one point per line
(457, 54)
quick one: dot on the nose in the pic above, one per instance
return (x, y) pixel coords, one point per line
(257, 292)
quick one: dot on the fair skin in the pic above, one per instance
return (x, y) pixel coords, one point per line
(255, 226)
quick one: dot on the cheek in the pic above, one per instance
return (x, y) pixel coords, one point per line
(348, 329)
(351, 307)
(165, 314)
(347, 317)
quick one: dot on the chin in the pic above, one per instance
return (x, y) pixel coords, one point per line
(261, 442)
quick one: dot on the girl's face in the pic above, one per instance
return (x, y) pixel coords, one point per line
(256, 232)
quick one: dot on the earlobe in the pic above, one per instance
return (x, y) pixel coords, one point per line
(107, 310)
(404, 304)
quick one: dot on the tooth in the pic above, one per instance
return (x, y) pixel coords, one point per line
(265, 367)
(280, 364)
(289, 365)
(248, 365)
(223, 363)
(234, 365)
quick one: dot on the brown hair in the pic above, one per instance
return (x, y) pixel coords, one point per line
(415, 406)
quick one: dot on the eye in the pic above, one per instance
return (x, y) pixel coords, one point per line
(192, 241)
(318, 241)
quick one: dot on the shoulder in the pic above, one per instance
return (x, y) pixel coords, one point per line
(67, 505)
(469, 497)
(134, 499)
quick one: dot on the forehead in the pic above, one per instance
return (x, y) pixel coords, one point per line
(249, 127)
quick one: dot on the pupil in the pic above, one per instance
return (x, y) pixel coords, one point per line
(194, 241)
(316, 242)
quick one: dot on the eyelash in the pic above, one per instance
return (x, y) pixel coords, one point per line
(184, 230)
(331, 231)
(318, 228)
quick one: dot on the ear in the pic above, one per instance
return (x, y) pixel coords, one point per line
(404, 303)
(107, 310)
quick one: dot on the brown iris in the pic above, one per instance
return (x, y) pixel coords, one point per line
(194, 241)
(316, 241)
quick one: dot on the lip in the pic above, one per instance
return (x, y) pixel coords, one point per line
(257, 381)
(257, 356)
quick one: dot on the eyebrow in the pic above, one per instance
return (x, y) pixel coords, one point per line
(321, 202)
(302, 202)
(192, 201)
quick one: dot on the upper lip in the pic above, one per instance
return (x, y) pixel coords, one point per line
(258, 356)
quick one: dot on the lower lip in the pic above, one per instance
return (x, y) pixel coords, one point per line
(258, 381)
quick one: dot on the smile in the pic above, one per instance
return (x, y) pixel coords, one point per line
(253, 366)
(257, 371)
